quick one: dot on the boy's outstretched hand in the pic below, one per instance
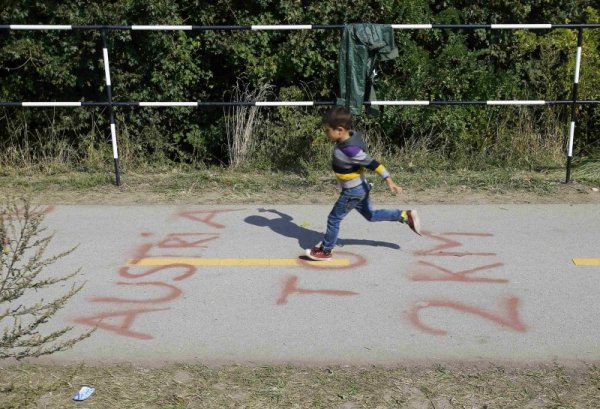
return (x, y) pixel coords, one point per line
(394, 188)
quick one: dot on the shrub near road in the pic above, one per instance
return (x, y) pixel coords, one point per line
(25, 270)
(299, 65)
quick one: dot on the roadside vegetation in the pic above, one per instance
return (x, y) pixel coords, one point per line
(451, 64)
(26, 275)
(196, 386)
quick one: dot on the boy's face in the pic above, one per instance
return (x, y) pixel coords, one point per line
(336, 134)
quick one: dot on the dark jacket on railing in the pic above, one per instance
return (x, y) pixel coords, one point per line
(362, 47)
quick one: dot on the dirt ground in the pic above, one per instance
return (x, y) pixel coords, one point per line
(196, 386)
(126, 194)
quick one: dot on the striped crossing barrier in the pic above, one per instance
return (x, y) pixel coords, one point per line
(292, 27)
(199, 104)
(574, 105)
(113, 128)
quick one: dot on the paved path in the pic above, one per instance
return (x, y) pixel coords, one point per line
(223, 284)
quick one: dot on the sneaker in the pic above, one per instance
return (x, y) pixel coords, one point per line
(317, 253)
(411, 217)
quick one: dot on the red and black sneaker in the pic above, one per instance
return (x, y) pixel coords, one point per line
(411, 217)
(317, 253)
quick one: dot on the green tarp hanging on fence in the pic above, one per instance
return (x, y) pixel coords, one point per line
(362, 47)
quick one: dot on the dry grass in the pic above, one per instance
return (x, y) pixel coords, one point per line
(197, 386)
(220, 186)
(241, 121)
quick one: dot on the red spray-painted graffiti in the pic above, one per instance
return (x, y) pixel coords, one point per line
(433, 274)
(124, 329)
(173, 293)
(33, 211)
(188, 271)
(448, 243)
(291, 287)
(426, 271)
(356, 260)
(121, 322)
(291, 284)
(509, 318)
(206, 216)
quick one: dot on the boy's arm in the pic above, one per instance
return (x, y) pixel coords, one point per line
(360, 157)
(393, 186)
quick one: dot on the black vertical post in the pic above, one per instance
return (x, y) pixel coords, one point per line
(113, 130)
(574, 105)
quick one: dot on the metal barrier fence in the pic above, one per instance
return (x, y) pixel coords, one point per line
(111, 104)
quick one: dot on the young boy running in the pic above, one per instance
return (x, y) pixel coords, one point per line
(350, 162)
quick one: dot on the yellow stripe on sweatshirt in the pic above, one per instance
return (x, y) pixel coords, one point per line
(350, 176)
(380, 169)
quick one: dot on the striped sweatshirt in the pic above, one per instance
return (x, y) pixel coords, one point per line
(350, 162)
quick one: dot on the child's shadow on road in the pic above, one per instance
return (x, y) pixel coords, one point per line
(306, 238)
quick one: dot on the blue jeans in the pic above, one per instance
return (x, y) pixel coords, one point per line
(354, 198)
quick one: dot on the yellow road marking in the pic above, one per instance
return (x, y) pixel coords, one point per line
(235, 262)
(586, 261)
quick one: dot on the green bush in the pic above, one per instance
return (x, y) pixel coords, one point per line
(205, 66)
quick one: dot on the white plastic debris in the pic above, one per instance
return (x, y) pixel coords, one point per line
(84, 393)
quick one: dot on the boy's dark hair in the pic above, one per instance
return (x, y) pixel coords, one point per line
(338, 116)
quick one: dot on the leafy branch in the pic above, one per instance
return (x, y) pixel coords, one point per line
(24, 273)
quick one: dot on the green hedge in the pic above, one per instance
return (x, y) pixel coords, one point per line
(190, 66)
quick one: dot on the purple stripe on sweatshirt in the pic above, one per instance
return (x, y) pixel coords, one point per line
(351, 150)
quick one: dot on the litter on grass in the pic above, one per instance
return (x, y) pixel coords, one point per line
(84, 393)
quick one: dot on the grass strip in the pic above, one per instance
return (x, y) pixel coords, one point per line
(198, 386)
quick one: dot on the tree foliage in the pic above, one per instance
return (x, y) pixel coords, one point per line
(206, 66)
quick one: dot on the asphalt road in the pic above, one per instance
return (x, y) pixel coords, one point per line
(227, 284)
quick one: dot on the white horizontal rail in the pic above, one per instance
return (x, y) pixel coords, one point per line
(51, 104)
(159, 28)
(284, 103)
(40, 27)
(168, 104)
(521, 26)
(283, 27)
(517, 102)
(411, 26)
(400, 102)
